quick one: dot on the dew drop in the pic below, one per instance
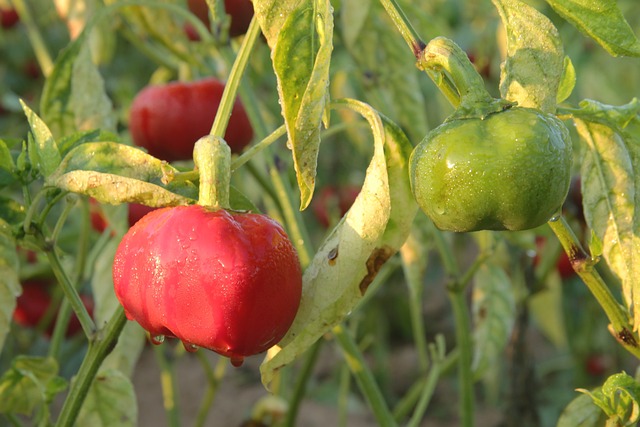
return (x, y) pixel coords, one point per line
(157, 339)
(191, 348)
(555, 217)
(237, 361)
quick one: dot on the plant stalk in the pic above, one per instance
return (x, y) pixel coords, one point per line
(227, 101)
(402, 23)
(364, 377)
(99, 348)
(583, 264)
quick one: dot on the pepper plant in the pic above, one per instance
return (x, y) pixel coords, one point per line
(457, 126)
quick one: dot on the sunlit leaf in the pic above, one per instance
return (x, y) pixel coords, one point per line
(533, 69)
(116, 173)
(602, 20)
(44, 147)
(567, 82)
(611, 191)
(346, 263)
(619, 398)
(301, 59)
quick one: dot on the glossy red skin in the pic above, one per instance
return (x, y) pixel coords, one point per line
(227, 282)
(34, 302)
(240, 11)
(8, 18)
(333, 201)
(168, 119)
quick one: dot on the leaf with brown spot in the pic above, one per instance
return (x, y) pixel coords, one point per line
(373, 229)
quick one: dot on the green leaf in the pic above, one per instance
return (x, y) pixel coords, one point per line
(567, 82)
(111, 401)
(348, 260)
(74, 96)
(532, 72)
(31, 382)
(271, 15)
(9, 281)
(70, 141)
(46, 155)
(602, 20)
(131, 341)
(611, 189)
(494, 310)
(117, 173)
(7, 166)
(11, 211)
(354, 17)
(55, 101)
(619, 398)
(301, 59)
(92, 108)
(394, 89)
(581, 412)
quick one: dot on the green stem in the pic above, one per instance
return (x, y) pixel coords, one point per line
(425, 395)
(583, 264)
(293, 218)
(414, 396)
(33, 208)
(37, 42)
(214, 377)
(413, 266)
(61, 221)
(237, 162)
(402, 23)
(452, 71)
(99, 348)
(88, 326)
(301, 383)
(343, 395)
(83, 242)
(448, 260)
(465, 346)
(364, 377)
(456, 291)
(212, 158)
(170, 392)
(153, 53)
(231, 87)
(60, 329)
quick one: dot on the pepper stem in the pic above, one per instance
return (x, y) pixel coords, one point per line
(451, 70)
(212, 157)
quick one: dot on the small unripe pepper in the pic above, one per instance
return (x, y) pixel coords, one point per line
(491, 165)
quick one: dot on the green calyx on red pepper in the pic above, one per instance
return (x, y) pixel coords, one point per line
(491, 165)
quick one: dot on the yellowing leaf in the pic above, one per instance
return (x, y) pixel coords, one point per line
(532, 71)
(301, 59)
(346, 263)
